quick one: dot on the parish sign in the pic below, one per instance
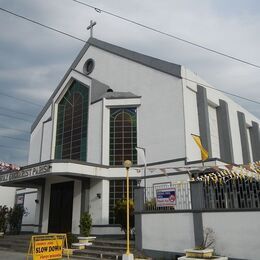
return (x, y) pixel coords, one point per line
(166, 197)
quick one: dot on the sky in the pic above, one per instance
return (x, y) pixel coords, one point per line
(34, 59)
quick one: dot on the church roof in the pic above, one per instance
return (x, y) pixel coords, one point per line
(157, 64)
(161, 65)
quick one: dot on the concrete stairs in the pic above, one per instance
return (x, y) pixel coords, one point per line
(104, 249)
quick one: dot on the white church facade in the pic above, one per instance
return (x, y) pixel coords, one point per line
(110, 101)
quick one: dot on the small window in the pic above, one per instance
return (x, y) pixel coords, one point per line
(89, 66)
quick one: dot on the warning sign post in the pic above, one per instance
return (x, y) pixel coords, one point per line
(44, 247)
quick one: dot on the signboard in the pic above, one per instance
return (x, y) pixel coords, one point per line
(26, 173)
(44, 247)
(166, 197)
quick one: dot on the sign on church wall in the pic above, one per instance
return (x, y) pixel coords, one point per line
(166, 197)
(26, 173)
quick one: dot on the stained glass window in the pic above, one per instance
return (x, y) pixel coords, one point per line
(123, 136)
(71, 135)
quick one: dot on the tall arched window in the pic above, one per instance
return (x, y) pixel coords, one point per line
(71, 135)
(123, 136)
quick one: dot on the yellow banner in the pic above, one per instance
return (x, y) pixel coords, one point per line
(44, 247)
(48, 249)
(204, 152)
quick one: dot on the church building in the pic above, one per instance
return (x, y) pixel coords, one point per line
(111, 101)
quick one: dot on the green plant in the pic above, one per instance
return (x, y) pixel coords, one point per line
(15, 217)
(71, 238)
(208, 241)
(3, 218)
(120, 214)
(85, 224)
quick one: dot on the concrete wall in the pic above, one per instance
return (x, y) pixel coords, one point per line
(99, 207)
(167, 232)
(237, 233)
(36, 144)
(7, 196)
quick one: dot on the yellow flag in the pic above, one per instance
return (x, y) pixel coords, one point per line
(204, 152)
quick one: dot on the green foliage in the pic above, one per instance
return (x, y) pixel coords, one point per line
(120, 214)
(85, 224)
(3, 218)
(15, 216)
(71, 238)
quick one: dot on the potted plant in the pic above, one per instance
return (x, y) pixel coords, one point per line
(3, 220)
(203, 251)
(85, 224)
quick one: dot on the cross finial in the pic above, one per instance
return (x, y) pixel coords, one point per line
(90, 27)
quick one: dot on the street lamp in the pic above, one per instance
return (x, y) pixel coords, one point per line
(127, 255)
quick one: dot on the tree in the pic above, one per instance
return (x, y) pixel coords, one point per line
(120, 214)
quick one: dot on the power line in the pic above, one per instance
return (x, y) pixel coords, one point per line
(15, 129)
(14, 111)
(43, 25)
(20, 99)
(15, 138)
(12, 148)
(19, 118)
(99, 10)
(223, 91)
(139, 24)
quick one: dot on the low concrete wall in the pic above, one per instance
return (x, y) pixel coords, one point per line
(170, 232)
(237, 233)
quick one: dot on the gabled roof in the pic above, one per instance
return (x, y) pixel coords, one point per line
(157, 64)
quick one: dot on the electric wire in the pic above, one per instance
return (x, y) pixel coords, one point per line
(19, 118)
(20, 99)
(41, 24)
(15, 129)
(12, 148)
(99, 10)
(14, 111)
(126, 19)
(14, 138)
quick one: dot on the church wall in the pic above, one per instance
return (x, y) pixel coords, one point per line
(46, 141)
(160, 116)
(7, 196)
(213, 97)
(94, 144)
(36, 143)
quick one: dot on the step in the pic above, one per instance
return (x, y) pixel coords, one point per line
(106, 248)
(117, 243)
(97, 254)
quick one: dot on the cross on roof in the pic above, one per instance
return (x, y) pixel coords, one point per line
(90, 27)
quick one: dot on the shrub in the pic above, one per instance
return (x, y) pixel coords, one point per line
(71, 238)
(15, 217)
(85, 224)
(120, 214)
(3, 218)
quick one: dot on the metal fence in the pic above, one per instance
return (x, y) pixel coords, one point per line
(182, 201)
(234, 194)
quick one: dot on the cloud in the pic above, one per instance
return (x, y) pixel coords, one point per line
(34, 59)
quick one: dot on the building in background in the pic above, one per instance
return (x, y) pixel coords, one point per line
(110, 101)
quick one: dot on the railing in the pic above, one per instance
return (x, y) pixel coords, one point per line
(183, 197)
(234, 194)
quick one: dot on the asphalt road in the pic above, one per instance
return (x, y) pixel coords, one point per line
(10, 255)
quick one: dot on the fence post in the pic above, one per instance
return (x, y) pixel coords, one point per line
(197, 204)
(139, 207)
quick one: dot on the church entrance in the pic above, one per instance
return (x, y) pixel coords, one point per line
(61, 205)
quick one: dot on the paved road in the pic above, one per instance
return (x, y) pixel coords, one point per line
(7, 255)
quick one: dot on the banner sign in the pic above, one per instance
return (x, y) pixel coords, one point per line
(44, 247)
(26, 173)
(165, 197)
